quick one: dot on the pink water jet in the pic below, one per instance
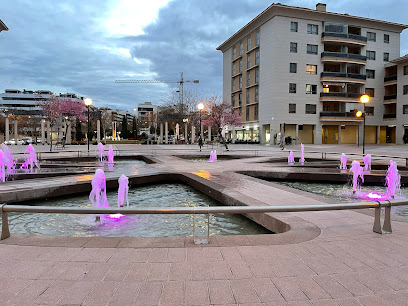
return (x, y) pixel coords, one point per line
(302, 154)
(116, 216)
(123, 190)
(374, 196)
(393, 180)
(110, 155)
(213, 156)
(343, 161)
(291, 159)
(31, 159)
(98, 194)
(3, 164)
(367, 162)
(11, 162)
(101, 149)
(358, 172)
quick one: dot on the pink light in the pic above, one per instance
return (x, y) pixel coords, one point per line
(116, 216)
(373, 195)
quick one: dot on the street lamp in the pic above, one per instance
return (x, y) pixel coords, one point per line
(88, 103)
(200, 107)
(364, 99)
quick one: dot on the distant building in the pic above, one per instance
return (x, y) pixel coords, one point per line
(145, 111)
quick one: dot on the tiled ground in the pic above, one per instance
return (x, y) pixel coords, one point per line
(347, 264)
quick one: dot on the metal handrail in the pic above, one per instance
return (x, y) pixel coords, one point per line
(5, 209)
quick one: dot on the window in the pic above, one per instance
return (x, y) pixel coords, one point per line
(234, 53)
(240, 99)
(310, 109)
(369, 92)
(234, 70)
(370, 55)
(257, 57)
(257, 38)
(292, 87)
(370, 74)
(256, 113)
(248, 43)
(369, 110)
(405, 109)
(293, 47)
(247, 114)
(233, 100)
(311, 49)
(311, 89)
(386, 38)
(292, 67)
(256, 75)
(311, 69)
(233, 84)
(293, 26)
(248, 60)
(371, 36)
(405, 90)
(240, 66)
(292, 108)
(312, 29)
(247, 96)
(240, 82)
(406, 70)
(386, 57)
(256, 94)
(248, 78)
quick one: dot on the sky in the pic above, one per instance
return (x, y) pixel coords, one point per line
(84, 46)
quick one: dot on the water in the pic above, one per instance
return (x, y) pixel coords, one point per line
(343, 161)
(358, 172)
(367, 162)
(101, 149)
(344, 193)
(302, 154)
(164, 195)
(291, 159)
(393, 180)
(123, 191)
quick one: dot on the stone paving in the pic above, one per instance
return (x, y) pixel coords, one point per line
(347, 264)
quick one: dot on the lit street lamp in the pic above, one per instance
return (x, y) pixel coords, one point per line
(200, 107)
(88, 103)
(364, 99)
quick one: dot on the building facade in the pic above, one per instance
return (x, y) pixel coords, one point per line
(305, 70)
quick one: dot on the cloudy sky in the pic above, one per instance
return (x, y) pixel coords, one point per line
(84, 46)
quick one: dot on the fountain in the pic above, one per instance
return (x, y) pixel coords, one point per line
(393, 180)
(3, 163)
(11, 162)
(213, 156)
(123, 190)
(291, 159)
(343, 161)
(31, 160)
(98, 193)
(110, 155)
(367, 162)
(357, 172)
(101, 149)
(302, 156)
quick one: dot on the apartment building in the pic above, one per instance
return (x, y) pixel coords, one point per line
(305, 70)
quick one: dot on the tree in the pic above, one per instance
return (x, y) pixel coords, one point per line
(72, 110)
(106, 121)
(218, 114)
(124, 127)
(78, 130)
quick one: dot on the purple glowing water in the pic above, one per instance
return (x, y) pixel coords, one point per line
(11, 162)
(367, 162)
(123, 190)
(213, 156)
(110, 155)
(101, 149)
(343, 161)
(3, 163)
(357, 172)
(291, 159)
(115, 216)
(30, 160)
(393, 180)
(374, 196)
(302, 154)
(98, 193)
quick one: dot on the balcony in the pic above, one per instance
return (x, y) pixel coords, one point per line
(344, 38)
(389, 116)
(340, 96)
(390, 80)
(390, 97)
(343, 57)
(339, 116)
(343, 77)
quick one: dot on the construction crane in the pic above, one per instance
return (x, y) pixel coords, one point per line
(180, 82)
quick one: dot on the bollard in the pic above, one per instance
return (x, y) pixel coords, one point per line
(5, 232)
(377, 219)
(387, 218)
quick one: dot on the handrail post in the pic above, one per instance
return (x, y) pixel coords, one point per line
(5, 232)
(377, 219)
(387, 218)
(406, 161)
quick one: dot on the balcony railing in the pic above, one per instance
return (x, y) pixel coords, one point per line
(340, 94)
(389, 116)
(338, 114)
(343, 35)
(390, 78)
(344, 55)
(390, 97)
(343, 75)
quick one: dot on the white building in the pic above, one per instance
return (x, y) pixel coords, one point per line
(306, 69)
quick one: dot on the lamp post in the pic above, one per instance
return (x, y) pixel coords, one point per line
(200, 107)
(88, 103)
(364, 99)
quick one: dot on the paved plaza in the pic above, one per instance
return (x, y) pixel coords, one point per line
(327, 258)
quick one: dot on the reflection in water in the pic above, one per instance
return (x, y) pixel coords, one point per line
(203, 173)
